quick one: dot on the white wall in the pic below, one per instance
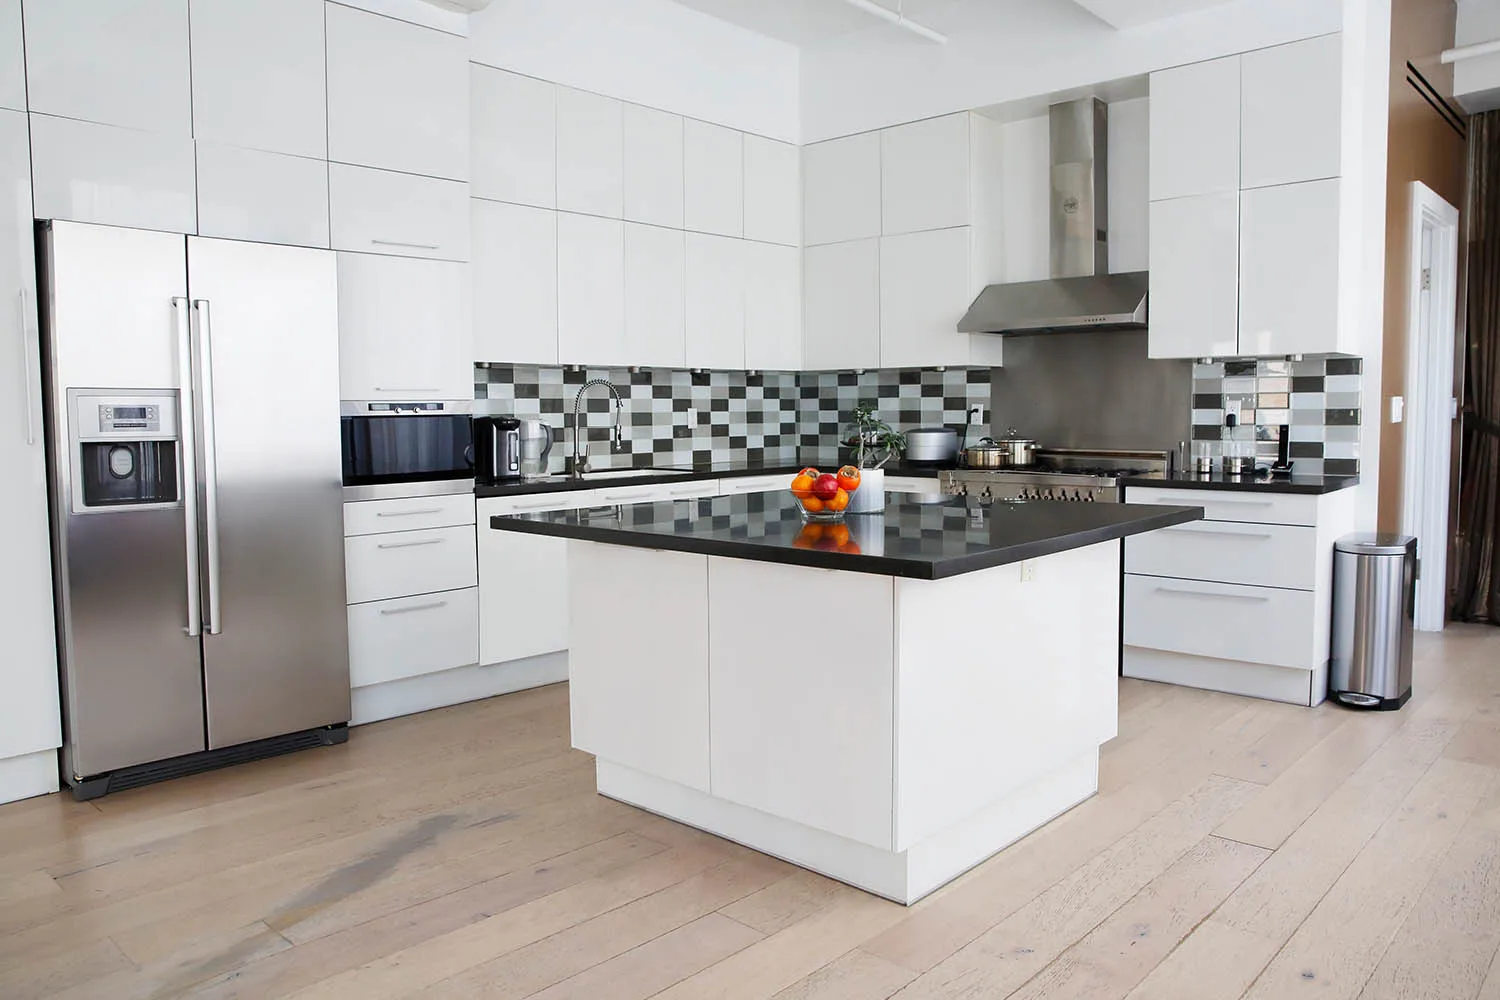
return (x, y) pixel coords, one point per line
(1004, 50)
(649, 52)
(1476, 82)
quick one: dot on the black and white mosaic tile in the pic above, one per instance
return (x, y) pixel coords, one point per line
(905, 398)
(1318, 398)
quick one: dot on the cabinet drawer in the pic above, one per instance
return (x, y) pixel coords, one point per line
(1228, 505)
(379, 211)
(1223, 620)
(535, 503)
(754, 484)
(369, 517)
(912, 484)
(657, 492)
(403, 563)
(1262, 555)
(409, 636)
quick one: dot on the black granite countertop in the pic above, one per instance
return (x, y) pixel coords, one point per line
(665, 474)
(919, 541)
(1305, 485)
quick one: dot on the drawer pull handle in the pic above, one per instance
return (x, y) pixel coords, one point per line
(1221, 534)
(1240, 503)
(399, 243)
(1212, 596)
(684, 493)
(549, 505)
(617, 497)
(408, 513)
(415, 607)
(410, 545)
(425, 389)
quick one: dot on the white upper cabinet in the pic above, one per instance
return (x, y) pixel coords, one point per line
(1195, 129)
(841, 305)
(841, 189)
(590, 154)
(122, 62)
(403, 329)
(925, 287)
(398, 95)
(515, 283)
(381, 211)
(113, 176)
(590, 290)
(713, 169)
(259, 75)
(1195, 277)
(248, 194)
(715, 302)
(1289, 112)
(12, 57)
(773, 306)
(653, 187)
(513, 148)
(1289, 269)
(655, 296)
(924, 175)
(773, 191)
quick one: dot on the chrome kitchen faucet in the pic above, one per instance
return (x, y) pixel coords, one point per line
(616, 434)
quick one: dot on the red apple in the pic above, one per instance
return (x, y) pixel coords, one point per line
(826, 486)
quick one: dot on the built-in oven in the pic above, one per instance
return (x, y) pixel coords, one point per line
(403, 449)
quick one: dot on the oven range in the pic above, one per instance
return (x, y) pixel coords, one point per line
(1073, 475)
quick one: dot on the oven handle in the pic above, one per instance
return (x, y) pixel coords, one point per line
(187, 428)
(214, 623)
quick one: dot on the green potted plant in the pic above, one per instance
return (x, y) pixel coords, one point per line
(874, 443)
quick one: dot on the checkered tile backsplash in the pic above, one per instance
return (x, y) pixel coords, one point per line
(676, 418)
(1318, 397)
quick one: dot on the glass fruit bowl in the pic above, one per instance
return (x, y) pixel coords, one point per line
(824, 497)
(816, 511)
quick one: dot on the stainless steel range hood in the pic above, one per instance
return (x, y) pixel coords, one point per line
(1081, 294)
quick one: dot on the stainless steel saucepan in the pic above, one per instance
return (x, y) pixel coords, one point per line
(1020, 452)
(986, 453)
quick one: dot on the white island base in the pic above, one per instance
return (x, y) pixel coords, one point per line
(890, 733)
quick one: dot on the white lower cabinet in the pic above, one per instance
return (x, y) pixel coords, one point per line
(409, 636)
(405, 563)
(381, 211)
(247, 194)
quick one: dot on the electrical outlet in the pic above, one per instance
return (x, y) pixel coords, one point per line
(1232, 409)
(1028, 570)
(976, 414)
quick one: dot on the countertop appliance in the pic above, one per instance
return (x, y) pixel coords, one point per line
(497, 449)
(406, 448)
(931, 444)
(197, 520)
(1074, 475)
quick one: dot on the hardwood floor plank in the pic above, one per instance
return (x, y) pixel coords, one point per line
(1215, 960)
(84, 961)
(856, 975)
(783, 903)
(171, 976)
(1296, 730)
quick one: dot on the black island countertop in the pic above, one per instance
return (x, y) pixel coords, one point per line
(1304, 485)
(917, 541)
(615, 478)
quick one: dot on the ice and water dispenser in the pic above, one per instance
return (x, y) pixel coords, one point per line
(125, 449)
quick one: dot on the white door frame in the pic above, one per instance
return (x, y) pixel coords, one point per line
(1430, 404)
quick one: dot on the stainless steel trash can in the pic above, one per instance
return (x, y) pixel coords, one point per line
(1374, 602)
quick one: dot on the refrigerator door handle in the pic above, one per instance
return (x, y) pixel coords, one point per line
(186, 422)
(213, 624)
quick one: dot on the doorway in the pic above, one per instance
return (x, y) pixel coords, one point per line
(1432, 304)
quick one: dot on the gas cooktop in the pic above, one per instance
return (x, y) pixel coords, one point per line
(1074, 475)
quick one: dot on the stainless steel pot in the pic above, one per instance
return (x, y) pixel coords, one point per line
(1020, 452)
(987, 453)
(931, 444)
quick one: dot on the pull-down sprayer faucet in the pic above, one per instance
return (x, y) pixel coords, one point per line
(616, 433)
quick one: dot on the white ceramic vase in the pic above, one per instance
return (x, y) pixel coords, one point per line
(870, 497)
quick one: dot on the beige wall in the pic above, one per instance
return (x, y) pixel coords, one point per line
(1421, 148)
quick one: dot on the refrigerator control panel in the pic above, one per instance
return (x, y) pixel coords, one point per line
(125, 416)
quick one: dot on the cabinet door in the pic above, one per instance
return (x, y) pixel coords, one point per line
(773, 307)
(1195, 129)
(403, 328)
(381, 211)
(924, 291)
(112, 176)
(398, 95)
(773, 191)
(590, 290)
(119, 63)
(924, 175)
(715, 302)
(1289, 269)
(655, 296)
(841, 189)
(1289, 112)
(653, 167)
(12, 57)
(523, 583)
(246, 194)
(515, 283)
(513, 148)
(713, 176)
(590, 154)
(259, 76)
(29, 713)
(1195, 277)
(841, 305)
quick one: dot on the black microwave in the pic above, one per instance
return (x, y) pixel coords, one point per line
(389, 442)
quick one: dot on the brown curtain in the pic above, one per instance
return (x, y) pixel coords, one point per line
(1476, 594)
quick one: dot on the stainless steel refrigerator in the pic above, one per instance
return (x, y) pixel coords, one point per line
(192, 412)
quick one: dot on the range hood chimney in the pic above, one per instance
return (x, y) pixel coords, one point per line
(1081, 294)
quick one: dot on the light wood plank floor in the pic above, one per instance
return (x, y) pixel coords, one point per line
(1236, 849)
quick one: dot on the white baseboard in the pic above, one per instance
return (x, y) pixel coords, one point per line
(904, 876)
(452, 687)
(1254, 680)
(28, 775)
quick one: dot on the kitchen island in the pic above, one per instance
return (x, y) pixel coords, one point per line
(888, 701)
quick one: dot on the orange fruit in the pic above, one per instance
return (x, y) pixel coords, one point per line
(808, 537)
(812, 504)
(838, 533)
(802, 485)
(840, 500)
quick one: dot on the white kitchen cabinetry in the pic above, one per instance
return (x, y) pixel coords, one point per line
(513, 141)
(29, 713)
(12, 57)
(739, 485)
(773, 307)
(1289, 112)
(407, 563)
(247, 194)
(374, 517)
(841, 189)
(381, 211)
(773, 191)
(1289, 269)
(715, 309)
(713, 175)
(655, 296)
(590, 154)
(404, 329)
(841, 305)
(398, 95)
(410, 636)
(514, 277)
(925, 287)
(1195, 129)
(924, 175)
(590, 290)
(119, 63)
(653, 167)
(259, 76)
(112, 176)
(1195, 276)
